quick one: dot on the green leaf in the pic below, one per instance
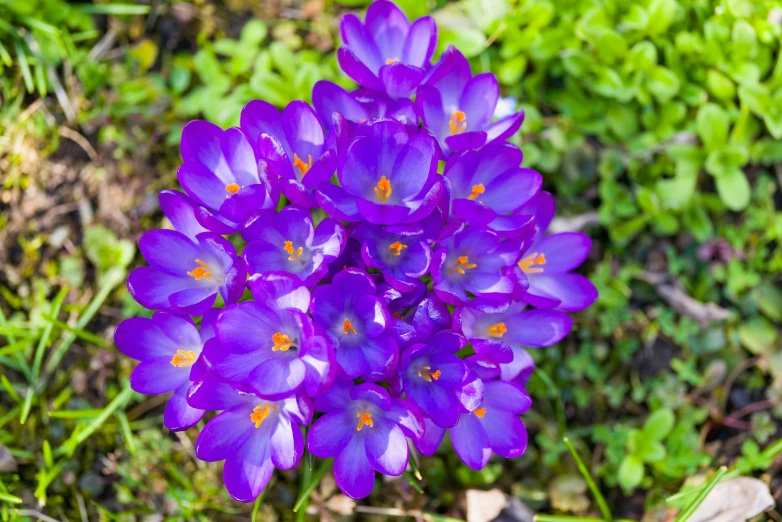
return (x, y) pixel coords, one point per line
(253, 33)
(768, 298)
(720, 85)
(663, 83)
(661, 16)
(744, 39)
(631, 472)
(733, 189)
(643, 56)
(758, 336)
(652, 452)
(712, 123)
(659, 424)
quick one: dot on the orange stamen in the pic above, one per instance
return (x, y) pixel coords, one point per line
(364, 419)
(347, 327)
(528, 263)
(479, 412)
(427, 374)
(462, 264)
(295, 254)
(299, 164)
(392, 60)
(497, 330)
(396, 248)
(383, 189)
(233, 188)
(200, 271)
(477, 190)
(281, 342)
(458, 123)
(183, 359)
(260, 413)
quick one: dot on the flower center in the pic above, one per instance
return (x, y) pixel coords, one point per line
(463, 263)
(479, 412)
(299, 164)
(383, 189)
(427, 374)
(477, 190)
(233, 188)
(458, 123)
(396, 248)
(295, 254)
(281, 342)
(183, 359)
(392, 60)
(260, 413)
(497, 330)
(364, 419)
(200, 271)
(347, 327)
(528, 263)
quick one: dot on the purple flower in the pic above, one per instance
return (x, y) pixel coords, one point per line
(387, 177)
(490, 182)
(437, 380)
(275, 351)
(185, 274)
(400, 252)
(549, 260)
(474, 261)
(457, 108)
(387, 53)
(365, 431)
(286, 241)
(253, 435)
(181, 211)
(360, 105)
(496, 334)
(492, 427)
(220, 172)
(357, 319)
(169, 347)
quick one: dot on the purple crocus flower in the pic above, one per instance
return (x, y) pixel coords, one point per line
(360, 105)
(457, 107)
(492, 427)
(169, 347)
(275, 351)
(490, 183)
(474, 261)
(286, 241)
(400, 252)
(365, 431)
(357, 319)
(500, 334)
(181, 211)
(437, 380)
(387, 53)
(387, 177)
(293, 145)
(186, 274)
(220, 172)
(549, 260)
(253, 435)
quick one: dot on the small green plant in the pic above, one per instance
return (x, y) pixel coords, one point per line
(644, 446)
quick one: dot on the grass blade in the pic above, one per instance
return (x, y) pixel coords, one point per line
(11, 499)
(69, 446)
(21, 55)
(601, 502)
(257, 506)
(114, 9)
(304, 496)
(687, 512)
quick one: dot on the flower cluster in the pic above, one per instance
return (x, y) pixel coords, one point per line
(380, 261)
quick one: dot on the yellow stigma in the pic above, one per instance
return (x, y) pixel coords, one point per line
(463, 263)
(396, 248)
(295, 254)
(299, 164)
(477, 190)
(364, 419)
(392, 60)
(260, 413)
(458, 123)
(497, 330)
(383, 189)
(479, 412)
(528, 263)
(183, 359)
(201, 271)
(347, 327)
(281, 342)
(427, 374)
(233, 188)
